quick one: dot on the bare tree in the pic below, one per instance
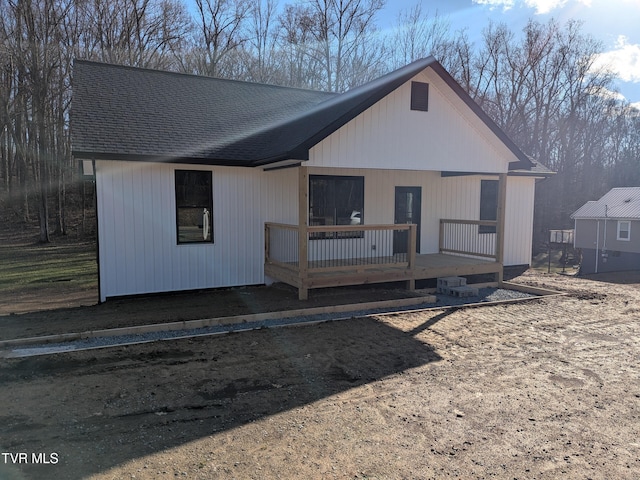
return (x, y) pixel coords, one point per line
(36, 30)
(40, 38)
(543, 90)
(296, 41)
(419, 35)
(333, 41)
(142, 33)
(342, 29)
(260, 53)
(625, 147)
(218, 35)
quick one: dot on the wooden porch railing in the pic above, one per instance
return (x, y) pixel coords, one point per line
(330, 255)
(333, 248)
(477, 238)
(281, 245)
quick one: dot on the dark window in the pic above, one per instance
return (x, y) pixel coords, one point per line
(194, 206)
(336, 200)
(420, 96)
(488, 204)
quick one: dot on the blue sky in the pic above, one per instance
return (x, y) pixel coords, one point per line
(616, 23)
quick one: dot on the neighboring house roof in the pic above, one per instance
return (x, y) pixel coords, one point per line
(125, 113)
(620, 203)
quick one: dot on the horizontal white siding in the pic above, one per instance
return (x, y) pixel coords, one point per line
(590, 233)
(389, 135)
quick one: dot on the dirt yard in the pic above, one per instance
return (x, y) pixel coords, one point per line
(543, 389)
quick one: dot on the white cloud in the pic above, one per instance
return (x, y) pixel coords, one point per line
(541, 6)
(545, 6)
(505, 4)
(623, 60)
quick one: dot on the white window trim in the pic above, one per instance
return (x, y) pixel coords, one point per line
(628, 230)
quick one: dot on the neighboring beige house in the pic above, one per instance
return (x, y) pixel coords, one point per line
(205, 183)
(608, 232)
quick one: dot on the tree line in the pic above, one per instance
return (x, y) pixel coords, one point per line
(540, 85)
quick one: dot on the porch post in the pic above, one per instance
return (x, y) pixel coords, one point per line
(411, 255)
(303, 234)
(500, 230)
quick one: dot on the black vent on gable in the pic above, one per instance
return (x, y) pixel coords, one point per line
(420, 96)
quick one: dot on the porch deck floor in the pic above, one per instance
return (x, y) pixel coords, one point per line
(443, 260)
(354, 272)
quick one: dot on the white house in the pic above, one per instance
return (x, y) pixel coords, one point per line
(608, 232)
(205, 183)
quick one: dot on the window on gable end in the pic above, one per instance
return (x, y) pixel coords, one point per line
(420, 96)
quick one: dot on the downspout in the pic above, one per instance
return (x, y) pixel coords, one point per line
(597, 245)
(501, 218)
(604, 239)
(575, 229)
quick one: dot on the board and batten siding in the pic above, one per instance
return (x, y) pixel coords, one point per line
(389, 135)
(518, 224)
(446, 198)
(137, 232)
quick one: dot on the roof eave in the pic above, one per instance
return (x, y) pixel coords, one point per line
(297, 155)
(615, 219)
(528, 173)
(300, 154)
(88, 155)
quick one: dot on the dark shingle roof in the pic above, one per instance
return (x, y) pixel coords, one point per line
(130, 113)
(124, 113)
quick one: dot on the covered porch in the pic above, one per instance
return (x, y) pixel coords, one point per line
(319, 256)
